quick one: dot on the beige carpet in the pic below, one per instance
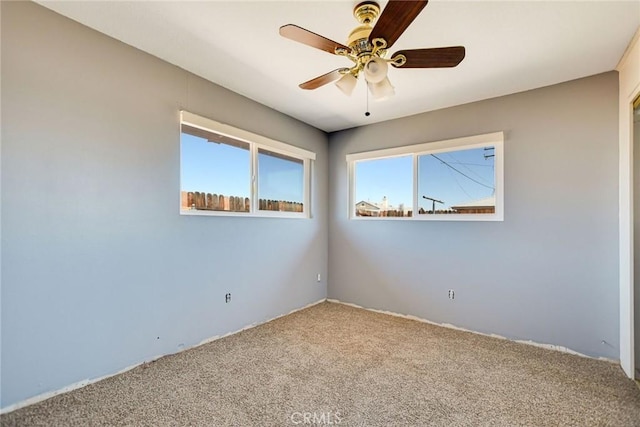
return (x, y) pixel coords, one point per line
(335, 364)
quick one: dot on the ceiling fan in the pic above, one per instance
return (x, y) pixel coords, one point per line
(367, 47)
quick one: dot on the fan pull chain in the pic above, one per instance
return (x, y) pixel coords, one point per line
(367, 113)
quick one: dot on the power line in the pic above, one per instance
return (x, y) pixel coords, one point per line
(471, 164)
(466, 167)
(458, 184)
(461, 173)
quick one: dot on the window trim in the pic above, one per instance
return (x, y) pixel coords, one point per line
(255, 142)
(495, 139)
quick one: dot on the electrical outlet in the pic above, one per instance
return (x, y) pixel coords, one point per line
(227, 297)
(452, 294)
(319, 277)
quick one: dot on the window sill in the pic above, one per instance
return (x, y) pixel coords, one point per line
(261, 214)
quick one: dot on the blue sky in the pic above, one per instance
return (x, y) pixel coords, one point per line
(224, 169)
(453, 177)
(280, 179)
(214, 168)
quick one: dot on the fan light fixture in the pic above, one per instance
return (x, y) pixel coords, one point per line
(381, 90)
(375, 73)
(375, 70)
(367, 46)
(368, 56)
(347, 83)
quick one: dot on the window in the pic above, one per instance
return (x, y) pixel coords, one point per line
(383, 186)
(458, 179)
(228, 171)
(216, 171)
(457, 182)
(281, 182)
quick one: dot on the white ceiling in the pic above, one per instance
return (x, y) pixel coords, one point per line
(511, 46)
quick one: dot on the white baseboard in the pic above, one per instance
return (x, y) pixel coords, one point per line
(84, 383)
(450, 326)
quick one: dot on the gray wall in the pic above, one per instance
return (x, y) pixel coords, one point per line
(549, 272)
(100, 272)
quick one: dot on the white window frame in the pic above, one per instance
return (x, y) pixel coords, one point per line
(495, 139)
(255, 142)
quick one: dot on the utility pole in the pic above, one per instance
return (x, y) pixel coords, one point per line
(433, 203)
(487, 156)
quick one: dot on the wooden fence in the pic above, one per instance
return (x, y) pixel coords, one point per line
(396, 213)
(197, 200)
(438, 211)
(279, 205)
(472, 210)
(387, 213)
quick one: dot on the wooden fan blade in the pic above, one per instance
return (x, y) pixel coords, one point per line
(395, 18)
(438, 57)
(323, 79)
(303, 36)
